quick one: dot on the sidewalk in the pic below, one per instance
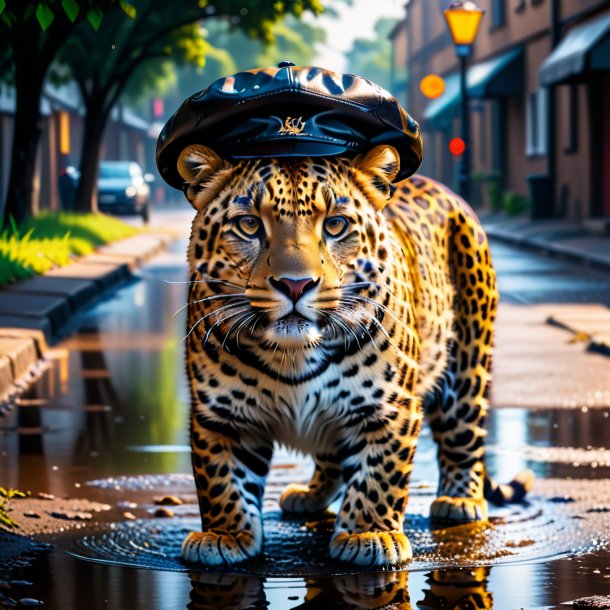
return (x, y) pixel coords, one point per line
(569, 241)
(40, 309)
(562, 238)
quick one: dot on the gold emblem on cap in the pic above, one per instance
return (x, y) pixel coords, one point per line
(292, 125)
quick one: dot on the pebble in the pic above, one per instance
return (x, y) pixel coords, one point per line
(167, 500)
(70, 516)
(129, 516)
(20, 583)
(31, 514)
(600, 602)
(124, 504)
(45, 496)
(163, 512)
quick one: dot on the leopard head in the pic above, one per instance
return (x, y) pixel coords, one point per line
(301, 244)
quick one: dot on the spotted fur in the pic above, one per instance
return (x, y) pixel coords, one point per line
(332, 344)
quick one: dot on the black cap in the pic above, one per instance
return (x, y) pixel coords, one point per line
(289, 112)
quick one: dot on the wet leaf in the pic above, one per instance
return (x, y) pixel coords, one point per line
(94, 17)
(2, 5)
(71, 9)
(44, 15)
(129, 9)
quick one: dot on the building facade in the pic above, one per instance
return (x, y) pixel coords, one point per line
(127, 137)
(539, 89)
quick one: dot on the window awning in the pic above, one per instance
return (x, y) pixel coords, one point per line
(502, 75)
(497, 77)
(584, 48)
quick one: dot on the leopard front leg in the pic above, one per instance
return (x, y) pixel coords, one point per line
(230, 475)
(377, 468)
(319, 493)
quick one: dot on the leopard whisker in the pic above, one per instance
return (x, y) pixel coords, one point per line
(382, 307)
(220, 321)
(207, 315)
(234, 295)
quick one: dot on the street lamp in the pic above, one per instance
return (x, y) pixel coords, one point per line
(463, 18)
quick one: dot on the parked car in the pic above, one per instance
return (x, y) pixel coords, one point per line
(122, 189)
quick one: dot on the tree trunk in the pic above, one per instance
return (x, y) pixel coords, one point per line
(86, 192)
(26, 137)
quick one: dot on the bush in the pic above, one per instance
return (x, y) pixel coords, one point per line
(515, 204)
(494, 195)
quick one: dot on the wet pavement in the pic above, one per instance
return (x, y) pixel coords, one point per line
(107, 427)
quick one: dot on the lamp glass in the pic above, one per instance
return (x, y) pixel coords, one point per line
(463, 24)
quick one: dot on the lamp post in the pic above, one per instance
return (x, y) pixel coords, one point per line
(463, 18)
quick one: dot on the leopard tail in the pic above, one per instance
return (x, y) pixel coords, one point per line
(509, 493)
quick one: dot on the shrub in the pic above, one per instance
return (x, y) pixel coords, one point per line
(515, 204)
(494, 195)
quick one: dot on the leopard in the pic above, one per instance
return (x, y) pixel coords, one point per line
(329, 310)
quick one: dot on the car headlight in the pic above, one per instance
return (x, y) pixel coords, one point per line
(131, 191)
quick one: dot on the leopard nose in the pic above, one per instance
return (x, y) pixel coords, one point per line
(292, 288)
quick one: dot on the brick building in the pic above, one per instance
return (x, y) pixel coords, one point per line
(539, 83)
(127, 137)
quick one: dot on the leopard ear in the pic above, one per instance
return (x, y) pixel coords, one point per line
(204, 174)
(376, 170)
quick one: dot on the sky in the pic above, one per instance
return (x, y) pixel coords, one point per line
(356, 21)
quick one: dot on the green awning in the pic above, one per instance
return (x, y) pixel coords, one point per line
(584, 48)
(497, 77)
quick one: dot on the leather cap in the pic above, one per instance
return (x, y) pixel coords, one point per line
(289, 112)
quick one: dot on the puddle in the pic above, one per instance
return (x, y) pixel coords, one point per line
(561, 518)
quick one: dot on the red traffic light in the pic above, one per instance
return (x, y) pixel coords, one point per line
(457, 146)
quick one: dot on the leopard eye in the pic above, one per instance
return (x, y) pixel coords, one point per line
(335, 226)
(247, 225)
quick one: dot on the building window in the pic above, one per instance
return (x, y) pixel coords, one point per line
(536, 126)
(425, 21)
(498, 13)
(572, 146)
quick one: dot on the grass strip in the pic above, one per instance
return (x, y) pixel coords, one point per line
(54, 239)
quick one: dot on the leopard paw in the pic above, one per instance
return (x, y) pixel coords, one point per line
(371, 548)
(300, 499)
(218, 548)
(458, 510)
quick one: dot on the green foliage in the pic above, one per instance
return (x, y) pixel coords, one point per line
(495, 195)
(17, 12)
(53, 240)
(231, 50)
(515, 204)
(373, 58)
(6, 495)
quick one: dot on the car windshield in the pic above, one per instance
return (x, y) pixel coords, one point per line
(118, 170)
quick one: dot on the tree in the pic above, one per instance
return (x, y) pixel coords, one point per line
(373, 58)
(31, 34)
(231, 51)
(103, 65)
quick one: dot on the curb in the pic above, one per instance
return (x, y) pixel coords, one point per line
(575, 256)
(37, 311)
